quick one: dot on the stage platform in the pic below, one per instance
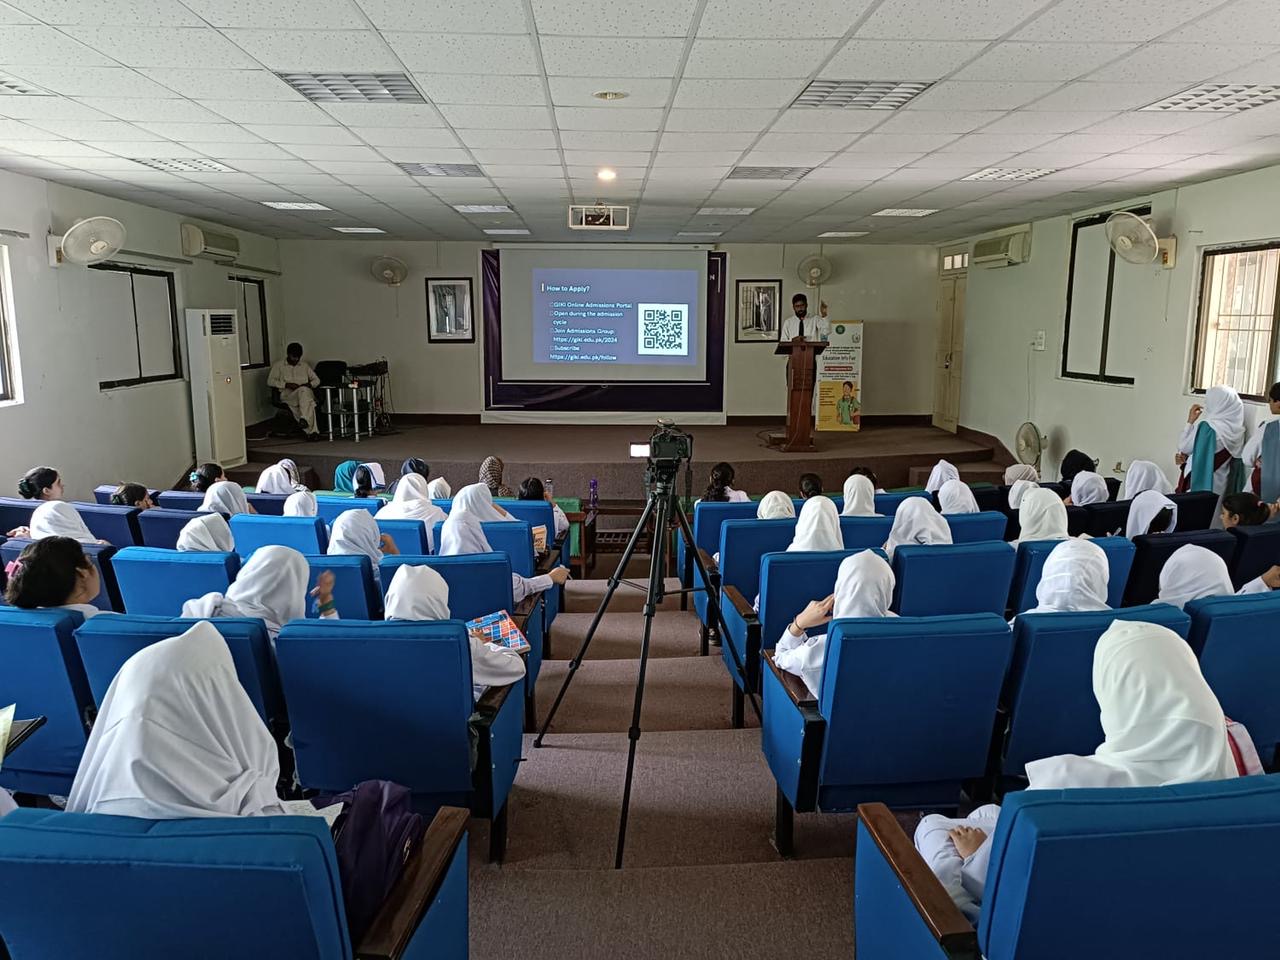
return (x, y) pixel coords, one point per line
(572, 455)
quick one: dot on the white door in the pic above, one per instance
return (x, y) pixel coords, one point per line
(949, 358)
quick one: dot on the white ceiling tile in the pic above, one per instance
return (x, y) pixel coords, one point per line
(147, 148)
(46, 46)
(850, 175)
(524, 171)
(785, 158)
(1004, 142)
(163, 46)
(130, 108)
(877, 160)
(316, 14)
(607, 140)
(616, 57)
(627, 158)
(324, 151)
(580, 92)
(756, 59)
(463, 117)
(1154, 122)
(1144, 161)
(299, 181)
(1098, 143)
(351, 51)
(101, 164)
(981, 95)
(929, 20)
(1049, 121)
(805, 120)
(736, 93)
(48, 108)
(54, 148)
(508, 139)
(221, 150)
(464, 53)
(514, 91)
(1042, 61)
(340, 168)
(1084, 95)
(266, 111)
(806, 141)
(384, 114)
(938, 121)
(964, 162)
(16, 130)
(148, 12)
(405, 136)
(767, 18)
(1262, 71)
(695, 160)
(447, 16)
(705, 120)
(644, 18)
(1188, 62)
(96, 130)
(224, 132)
(270, 167)
(605, 118)
(374, 183)
(301, 133)
(223, 84)
(91, 81)
(900, 142)
(1133, 20)
(899, 59)
(628, 177)
(708, 141)
(425, 154)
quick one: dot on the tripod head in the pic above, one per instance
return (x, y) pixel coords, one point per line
(668, 448)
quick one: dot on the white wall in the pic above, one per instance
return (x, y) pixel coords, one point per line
(337, 309)
(1005, 383)
(140, 433)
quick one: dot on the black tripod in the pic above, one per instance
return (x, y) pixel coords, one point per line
(663, 504)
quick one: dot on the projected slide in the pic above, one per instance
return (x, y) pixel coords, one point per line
(616, 316)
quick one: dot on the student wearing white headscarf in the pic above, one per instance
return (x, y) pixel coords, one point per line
(916, 522)
(956, 497)
(1143, 475)
(355, 532)
(864, 588)
(277, 479)
(413, 502)
(1042, 516)
(941, 473)
(420, 593)
(1146, 508)
(227, 497)
(462, 533)
(1191, 573)
(439, 489)
(1020, 471)
(775, 505)
(178, 737)
(1162, 725)
(57, 518)
(1212, 442)
(301, 503)
(1074, 578)
(272, 586)
(1088, 487)
(1019, 490)
(859, 497)
(206, 533)
(818, 527)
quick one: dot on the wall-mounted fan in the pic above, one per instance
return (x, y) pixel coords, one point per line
(1134, 240)
(1028, 444)
(92, 240)
(389, 270)
(814, 270)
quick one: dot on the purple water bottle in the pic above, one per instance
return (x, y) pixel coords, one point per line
(595, 493)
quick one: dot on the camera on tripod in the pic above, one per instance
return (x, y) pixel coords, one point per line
(668, 447)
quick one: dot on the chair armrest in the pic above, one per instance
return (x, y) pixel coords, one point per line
(526, 607)
(407, 903)
(794, 686)
(955, 936)
(708, 561)
(549, 560)
(744, 609)
(491, 701)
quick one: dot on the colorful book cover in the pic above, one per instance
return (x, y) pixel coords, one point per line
(499, 628)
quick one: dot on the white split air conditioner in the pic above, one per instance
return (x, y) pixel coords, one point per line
(599, 216)
(217, 404)
(1002, 251)
(199, 242)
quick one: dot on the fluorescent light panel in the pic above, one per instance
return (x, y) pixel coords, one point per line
(904, 212)
(1011, 173)
(183, 164)
(699, 233)
(1219, 98)
(841, 234)
(861, 94)
(482, 208)
(293, 205)
(508, 232)
(726, 211)
(441, 169)
(768, 173)
(358, 229)
(354, 87)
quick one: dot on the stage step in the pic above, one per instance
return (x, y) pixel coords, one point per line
(988, 471)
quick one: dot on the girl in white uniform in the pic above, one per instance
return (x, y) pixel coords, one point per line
(955, 497)
(1223, 413)
(272, 586)
(439, 489)
(720, 486)
(942, 472)
(278, 478)
(54, 518)
(301, 503)
(1087, 487)
(775, 505)
(413, 502)
(207, 533)
(916, 522)
(1193, 572)
(1143, 475)
(355, 532)
(1151, 512)
(227, 498)
(54, 573)
(1074, 578)
(859, 497)
(1042, 516)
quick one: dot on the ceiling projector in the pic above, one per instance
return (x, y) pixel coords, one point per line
(599, 216)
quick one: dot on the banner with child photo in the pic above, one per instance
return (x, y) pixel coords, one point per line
(839, 381)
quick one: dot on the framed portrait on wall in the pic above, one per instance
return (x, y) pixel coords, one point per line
(759, 317)
(449, 310)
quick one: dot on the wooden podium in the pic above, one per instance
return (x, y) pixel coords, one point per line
(801, 380)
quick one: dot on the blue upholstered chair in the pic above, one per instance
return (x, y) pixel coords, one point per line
(706, 522)
(976, 527)
(1196, 510)
(952, 579)
(267, 504)
(116, 525)
(43, 675)
(304, 534)
(99, 887)
(1048, 699)
(16, 512)
(405, 691)
(1151, 551)
(742, 544)
(860, 533)
(1086, 873)
(904, 716)
(99, 555)
(887, 503)
(1030, 564)
(512, 537)
(410, 536)
(1107, 519)
(328, 508)
(356, 594)
(188, 500)
(162, 526)
(103, 492)
(157, 582)
(1257, 551)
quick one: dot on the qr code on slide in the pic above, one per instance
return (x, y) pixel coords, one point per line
(663, 329)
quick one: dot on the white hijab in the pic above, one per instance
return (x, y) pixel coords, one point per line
(417, 593)
(941, 473)
(226, 497)
(207, 533)
(301, 503)
(1161, 722)
(56, 518)
(1042, 516)
(462, 532)
(864, 587)
(412, 502)
(916, 522)
(775, 505)
(438, 489)
(271, 586)
(1143, 475)
(178, 737)
(956, 497)
(356, 532)
(1075, 577)
(1224, 411)
(1193, 572)
(859, 497)
(1018, 491)
(1020, 471)
(275, 479)
(818, 527)
(1088, 487)
(1144, 508)
(375, 471)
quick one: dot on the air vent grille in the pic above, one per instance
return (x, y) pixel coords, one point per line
(222, 324)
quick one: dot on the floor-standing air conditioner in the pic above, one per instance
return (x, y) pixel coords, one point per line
(217, 404)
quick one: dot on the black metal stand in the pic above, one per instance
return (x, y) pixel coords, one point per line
(663, 504)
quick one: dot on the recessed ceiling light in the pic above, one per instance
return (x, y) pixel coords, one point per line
(441, 169)
(841, 234)
(183, 164)
(12, 86)
(699, 233)
(905, 212)
(507, 232)
(605, 173)
(354, 87)
(726, 211)
(1219, 98)
(610, 95)
(861, 94)
(358, 229)
(768, 173)
(1011, 173)
(293, 205)
(482, 208)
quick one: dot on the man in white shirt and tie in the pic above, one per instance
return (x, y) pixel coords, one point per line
(803, 325)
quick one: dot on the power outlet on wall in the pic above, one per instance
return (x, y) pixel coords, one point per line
(1038, 343)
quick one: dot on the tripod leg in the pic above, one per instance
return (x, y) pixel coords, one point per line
(616, 579)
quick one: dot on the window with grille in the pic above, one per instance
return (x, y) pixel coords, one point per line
(251, 303)
(1237, 320)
